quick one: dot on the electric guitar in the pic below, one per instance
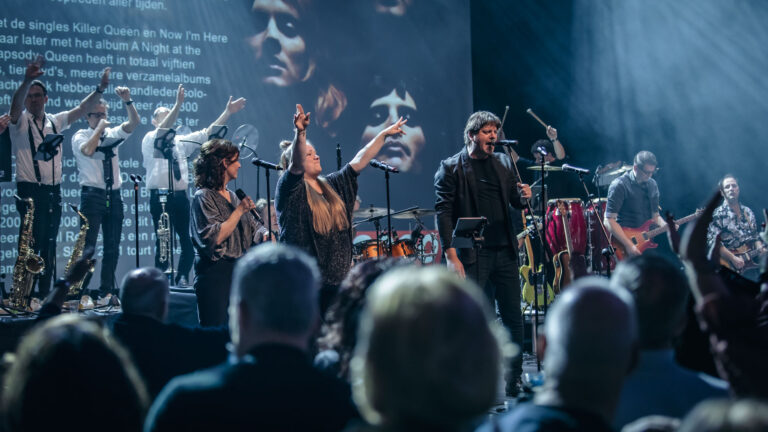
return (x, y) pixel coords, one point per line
(747, 255)
(642, 236)
(526, 272)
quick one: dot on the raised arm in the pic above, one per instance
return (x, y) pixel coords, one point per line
(231, 108)
(5, 119)
(34, 70)
(300, 122)
(88, 148)
(170, 119)
(559, 150)
(90, 100)
(129, 126)
(371, 149)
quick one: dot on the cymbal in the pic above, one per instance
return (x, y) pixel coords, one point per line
(370, 212)
(415, 213)
(618, 171)
(546, 168)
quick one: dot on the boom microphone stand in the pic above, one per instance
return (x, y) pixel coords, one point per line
(267, 168)
(387, 169)
(136, 179)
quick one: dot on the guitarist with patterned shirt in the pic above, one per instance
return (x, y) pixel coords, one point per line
(737, 226)
(633, 199)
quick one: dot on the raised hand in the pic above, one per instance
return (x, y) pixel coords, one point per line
(300, 120)
(180, 95)
(103, 124)
(123, 93)
(104, 83)
(551, 133)
(395, 128)
(5, 119)
(673, 235)
(35, 68)
(693, 245)
(236, 105)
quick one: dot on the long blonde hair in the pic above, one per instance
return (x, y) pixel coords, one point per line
(329, 212)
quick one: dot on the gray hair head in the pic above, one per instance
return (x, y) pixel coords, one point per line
(145, 291)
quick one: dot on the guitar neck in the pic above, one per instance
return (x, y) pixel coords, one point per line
(656, 231)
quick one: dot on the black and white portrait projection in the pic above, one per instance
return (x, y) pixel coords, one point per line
(357, 66)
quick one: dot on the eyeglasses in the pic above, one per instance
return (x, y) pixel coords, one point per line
(647, 173)
(97, 115)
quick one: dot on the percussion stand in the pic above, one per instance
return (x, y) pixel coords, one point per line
(608, 252)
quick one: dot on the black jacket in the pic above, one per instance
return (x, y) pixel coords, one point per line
(456, 190)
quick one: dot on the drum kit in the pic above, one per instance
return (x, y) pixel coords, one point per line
(414, 245)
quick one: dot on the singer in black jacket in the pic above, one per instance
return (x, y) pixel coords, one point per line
(314, 211)
(222, 227)
(478, 182)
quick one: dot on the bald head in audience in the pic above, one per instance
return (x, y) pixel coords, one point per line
(145, 291)
(589, 346)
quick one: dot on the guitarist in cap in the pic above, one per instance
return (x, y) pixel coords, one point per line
(633, 199)
(737, 226)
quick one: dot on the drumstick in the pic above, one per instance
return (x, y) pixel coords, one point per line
(504, 117)
(530, 111)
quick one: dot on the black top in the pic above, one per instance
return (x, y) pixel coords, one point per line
(529, 417)
(333, 251)
(634, 203)
(274, 388)
(490, 203)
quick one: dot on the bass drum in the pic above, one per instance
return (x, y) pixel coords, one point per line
(403, 248)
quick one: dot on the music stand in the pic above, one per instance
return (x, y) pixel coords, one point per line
(469, 234)
(46, 151)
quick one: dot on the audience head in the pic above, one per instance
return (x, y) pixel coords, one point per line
(70, 364)
(145, 291)
(660, 290)
(340, 329)
(274, 297)
(723, 415)
(428, 354)
(589, 341)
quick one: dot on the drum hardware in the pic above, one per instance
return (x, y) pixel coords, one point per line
(544, 168)
(369, 213)
(413, 213)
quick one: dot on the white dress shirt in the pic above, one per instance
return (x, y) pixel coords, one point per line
(25, 168)
(157, 168)
(91, 168)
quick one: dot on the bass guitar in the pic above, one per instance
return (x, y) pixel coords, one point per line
(526, 273)
(642, 236)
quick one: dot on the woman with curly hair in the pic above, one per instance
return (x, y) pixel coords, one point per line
(222, 228)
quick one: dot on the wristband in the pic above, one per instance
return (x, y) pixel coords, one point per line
(128, 102)
(99, 91)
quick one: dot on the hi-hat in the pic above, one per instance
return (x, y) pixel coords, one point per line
(546, 168)
(370, 212)
(415, 213)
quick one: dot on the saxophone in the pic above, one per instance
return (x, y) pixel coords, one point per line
(164, 234)
(27, 264)
(77, 252)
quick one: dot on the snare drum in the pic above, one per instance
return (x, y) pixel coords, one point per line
(576, 224)
(403, 248)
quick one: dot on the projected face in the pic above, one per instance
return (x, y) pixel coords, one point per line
(399, 151)
(279, 46)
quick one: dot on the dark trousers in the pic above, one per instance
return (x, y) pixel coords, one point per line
(45, 228)
(177, 208)
(93, 205)
(496, 272)
(212, 286)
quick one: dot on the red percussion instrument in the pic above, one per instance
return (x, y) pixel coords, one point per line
(576, 224)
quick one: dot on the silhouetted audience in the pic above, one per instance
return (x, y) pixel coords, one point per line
(162, 351)
(269, 382)
(746, 415)
(589, 344)
(339, 332)
(660, 290)
(429, 355)
(70, 374)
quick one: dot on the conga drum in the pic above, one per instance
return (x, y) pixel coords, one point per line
(575, 221)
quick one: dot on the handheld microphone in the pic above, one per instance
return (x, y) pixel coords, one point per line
(338, 156)
(542, 150)
(241, 196)
(382, 166)
(502, 143)
(265, 164)
(575, 169)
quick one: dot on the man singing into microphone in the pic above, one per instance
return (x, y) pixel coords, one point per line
(314, 211)
(479, 182)
(177, 205)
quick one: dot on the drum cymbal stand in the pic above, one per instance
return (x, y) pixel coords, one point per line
(607, 252)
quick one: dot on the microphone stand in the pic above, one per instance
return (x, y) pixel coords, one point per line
(165, 146)
(389, 214)
(136, 179)
(267, 168)
(47, 151)
(609, 251)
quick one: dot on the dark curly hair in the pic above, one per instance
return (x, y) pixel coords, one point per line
(209, 169)
(339, 333)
